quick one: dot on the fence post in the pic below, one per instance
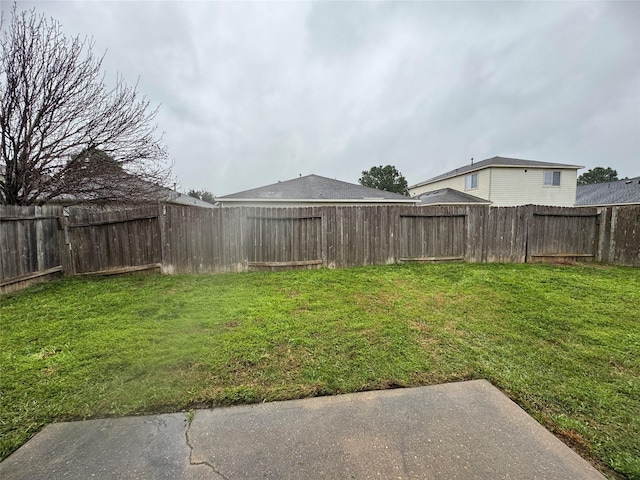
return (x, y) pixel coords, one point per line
(527, 218)
(162, 225)
(597, 234)
(604, 235)
(613, 225)
(64, 244)
(40, 240)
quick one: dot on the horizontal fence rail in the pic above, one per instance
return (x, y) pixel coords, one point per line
(41, 243)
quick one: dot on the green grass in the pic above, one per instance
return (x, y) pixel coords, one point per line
(561, 341)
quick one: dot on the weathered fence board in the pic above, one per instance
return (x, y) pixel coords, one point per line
(197, 240)
(41, 242)
(113, 240)
(622, 239)
(562, 233)
(281, 238)
(504, 235)
(433, 236)
(29, 242)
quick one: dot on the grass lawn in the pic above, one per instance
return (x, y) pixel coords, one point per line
(561, 341)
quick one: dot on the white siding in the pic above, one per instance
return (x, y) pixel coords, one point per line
(457, 183)
(511, 186)
(521, 186)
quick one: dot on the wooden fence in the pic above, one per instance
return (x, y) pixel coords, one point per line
(38, 243)
(113, 241)
(30, 241)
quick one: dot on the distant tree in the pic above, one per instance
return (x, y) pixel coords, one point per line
(386, 178)
(59, 122)
(598, 175)
(203, 195)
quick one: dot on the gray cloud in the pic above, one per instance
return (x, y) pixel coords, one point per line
(253, 93)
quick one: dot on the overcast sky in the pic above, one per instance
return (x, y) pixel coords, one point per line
(252, 93)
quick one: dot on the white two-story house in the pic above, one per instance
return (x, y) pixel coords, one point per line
(509, 182)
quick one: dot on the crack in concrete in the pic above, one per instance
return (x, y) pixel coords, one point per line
(205, 463)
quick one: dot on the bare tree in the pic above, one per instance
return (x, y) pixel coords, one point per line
(56, 113)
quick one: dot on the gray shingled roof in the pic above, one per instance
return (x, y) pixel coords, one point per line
(448, 196)
(609, 193)
(177, 198)
(315, 187)
(495, 162)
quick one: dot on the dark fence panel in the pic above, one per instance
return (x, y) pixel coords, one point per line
(284, 238)
(563, 233)
(621, 240)
(504, 237)
(106, 241)
(361, 235)
(202, 240)
(433, 235)
(29, 245)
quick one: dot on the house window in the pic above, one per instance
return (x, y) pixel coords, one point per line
(471, 181)
(552, 179)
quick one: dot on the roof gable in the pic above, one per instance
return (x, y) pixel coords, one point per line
(315, 187)
(504, 162)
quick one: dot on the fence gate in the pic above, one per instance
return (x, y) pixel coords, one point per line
(562, 235)
(432, 237)
(276, 242)
(114, 242)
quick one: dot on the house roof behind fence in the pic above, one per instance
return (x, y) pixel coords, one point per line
(609, 193)
(495, 162)
(449, 196)
(315, 187)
